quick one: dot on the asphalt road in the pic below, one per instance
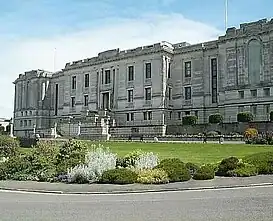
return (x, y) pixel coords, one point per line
(242, 204)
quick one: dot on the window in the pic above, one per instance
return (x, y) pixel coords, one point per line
(130, 95)
(196, 113)
(21, 123)
(148, 70)
(107, 79)
(25, 123)
(73, 82)
(214, 80)
(130, 73)
(187, 113)
(171, 114)
(266, 92)
(22, 113)
(241, 94)
(253, 93)
(86, 80)
(148, 94)
(29, 123)
(170, 93)
(85, 100)
(150, 115)
(30, 112)
(179, 115)
(254, 61)
(266, 109)
(130, 116)
(145, 115)
(169, 70)
(187, 93)
(254, 109)
(72, 101)
(188, 69)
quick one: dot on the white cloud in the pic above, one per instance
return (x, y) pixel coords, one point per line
(29, 54)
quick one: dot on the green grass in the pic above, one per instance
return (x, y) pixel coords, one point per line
(198, 153)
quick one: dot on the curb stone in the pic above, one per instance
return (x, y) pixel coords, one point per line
(135, 191)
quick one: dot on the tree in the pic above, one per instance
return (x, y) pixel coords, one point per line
(244, 117)
(189, 120)
(215, 118)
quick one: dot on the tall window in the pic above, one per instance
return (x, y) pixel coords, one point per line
(170, 93)
(56, 99)
(188, 69)
(74, 82)
(85, 100)
(147, 115)
(187, 93)
(130, 95)
(148, 94)
(72, 101)
(266, 92)
(266, 109)
(214, 80)
(86, 80)
(130, 73)
(254, 61)
(253, 93)
(254, 109)
(148, 70)
(107, 78)
(130, 116)
(169, 70)
(241, 94)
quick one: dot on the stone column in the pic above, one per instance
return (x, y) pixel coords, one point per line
(55, 130)
(34, 129)
(11, 127)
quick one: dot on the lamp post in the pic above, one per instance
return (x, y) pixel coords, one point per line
(34, 129)
(69, 123)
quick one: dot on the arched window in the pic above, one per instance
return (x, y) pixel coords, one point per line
(254, 61)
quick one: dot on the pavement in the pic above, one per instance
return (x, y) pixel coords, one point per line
(62, 188)
(238, 204)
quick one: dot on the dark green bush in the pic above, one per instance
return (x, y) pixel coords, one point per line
(119, 176)
(262, 161)
(192, 168)
(71, 154)
(226, 165)
(246, 170)
(175, 169)
(244, 117)
(189, 120)
(215, 119)
(8, 146)
(204, 173)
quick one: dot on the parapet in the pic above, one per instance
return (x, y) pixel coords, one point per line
(116, 54)
(34, 74)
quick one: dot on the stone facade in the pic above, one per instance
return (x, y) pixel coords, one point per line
(147, 89)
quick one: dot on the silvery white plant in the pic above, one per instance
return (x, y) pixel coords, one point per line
(146, 161)
(97, 161)
(3, 159)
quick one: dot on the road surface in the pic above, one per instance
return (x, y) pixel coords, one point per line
(242, 204)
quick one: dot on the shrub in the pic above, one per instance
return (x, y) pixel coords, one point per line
(119, 176)
(244, 171)
(155, 176)
(262, 161)
(189, 120)
(96, 162)
(227, 164)
(129, 159)
(192, 168)
(271, 116)
(204, 173)
(8, 146)
(146, 161)
(244, 117)
(175, 169)
(71, 154)
(250, 133)
(215, 119)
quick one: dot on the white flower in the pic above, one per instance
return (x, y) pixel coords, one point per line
(146, 161)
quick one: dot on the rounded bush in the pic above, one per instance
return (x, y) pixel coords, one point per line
(176, 170)
(8, 146)
(119, 176)
(189, 120)
(227, 164)
(215, 119)
(192, 168)
(262, 161)
(204, 173)
(155, 176)
(129, 159)
(244, 117)
(246, 170)
(250, 133)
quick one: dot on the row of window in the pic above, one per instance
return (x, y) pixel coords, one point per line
(146, 116)
(253, 109)
(25, 123)
(25, 113)
(266, 92)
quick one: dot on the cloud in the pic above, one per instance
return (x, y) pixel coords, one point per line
(25, 54)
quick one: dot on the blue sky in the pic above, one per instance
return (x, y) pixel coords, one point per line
(31, 29)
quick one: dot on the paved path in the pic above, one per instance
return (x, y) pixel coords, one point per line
(242, 204)
(218, 182)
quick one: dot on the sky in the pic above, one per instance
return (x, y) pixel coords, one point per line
(30, 30)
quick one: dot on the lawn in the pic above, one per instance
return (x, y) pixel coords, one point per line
(196, 152)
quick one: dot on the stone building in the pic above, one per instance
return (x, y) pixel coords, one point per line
(147, 90)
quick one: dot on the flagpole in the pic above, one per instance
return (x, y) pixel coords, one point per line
(54, 62)
(226, 14)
